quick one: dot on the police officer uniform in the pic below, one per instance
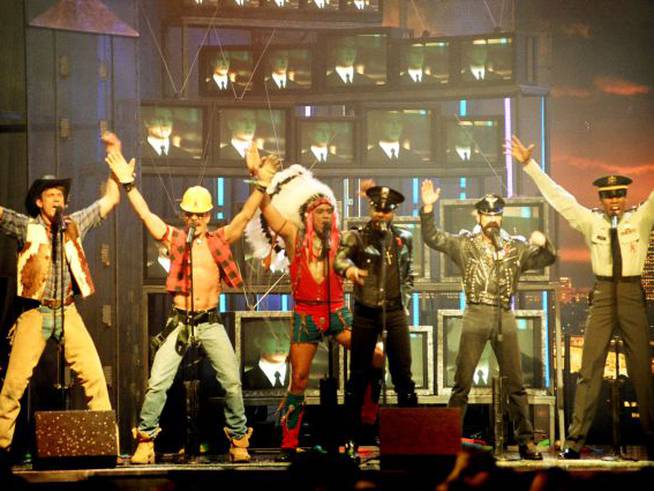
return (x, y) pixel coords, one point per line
(618, 247)
(381, 302)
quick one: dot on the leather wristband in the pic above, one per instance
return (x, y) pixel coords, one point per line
(128, 186)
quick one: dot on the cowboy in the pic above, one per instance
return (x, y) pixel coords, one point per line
(491, 261)
(212, 263)
(618, 238)
(39, 280)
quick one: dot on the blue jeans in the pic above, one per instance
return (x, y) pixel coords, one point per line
(221, 355)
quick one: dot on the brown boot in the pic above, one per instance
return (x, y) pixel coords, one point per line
(144, 453)
(238, 450)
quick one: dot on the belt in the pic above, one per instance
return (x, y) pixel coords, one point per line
(55, 303)
(197, 317)
(622, 279)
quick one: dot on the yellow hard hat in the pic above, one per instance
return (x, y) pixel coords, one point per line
(196, 199)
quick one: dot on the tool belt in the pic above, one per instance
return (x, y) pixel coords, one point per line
(178, 316)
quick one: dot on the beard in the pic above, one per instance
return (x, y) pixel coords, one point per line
(490, 228)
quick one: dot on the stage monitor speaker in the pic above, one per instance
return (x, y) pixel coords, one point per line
(419, 431)
(419, 444)
(75, 439)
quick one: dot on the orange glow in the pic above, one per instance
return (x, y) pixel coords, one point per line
(578, 92)
(618, 86)
(603, 166)
(579, 254)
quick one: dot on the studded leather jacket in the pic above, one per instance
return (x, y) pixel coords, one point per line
(362, 247)
(484, 278)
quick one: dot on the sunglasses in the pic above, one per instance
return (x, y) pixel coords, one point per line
(190, 215)
(613, 193)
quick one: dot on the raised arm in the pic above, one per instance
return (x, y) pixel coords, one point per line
(111, 196)
(434, 237)
(286, 229)
(124, 174)
(561, 200)
(263, 171)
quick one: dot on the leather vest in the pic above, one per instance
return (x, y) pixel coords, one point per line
(35, 261)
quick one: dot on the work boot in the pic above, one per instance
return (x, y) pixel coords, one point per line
(144, 453)
(238, 448)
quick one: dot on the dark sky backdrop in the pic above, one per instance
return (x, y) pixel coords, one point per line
(602, 118)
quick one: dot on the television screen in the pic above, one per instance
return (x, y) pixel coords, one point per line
(226, 71)
(487, 59)
(362, 6)
(422, 360)
(239, 127)
(521, 217)
(287, 69)
(424, 63)
(325, 142)
(473, 142)
(356, 60)
(238, 4)
(531, 338)
(263, 342)
(411, 224)
(281, 4)
(320, 5)
(398, 137)
(172, 132)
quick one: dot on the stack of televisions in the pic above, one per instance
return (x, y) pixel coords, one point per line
(367, 10)
(240, 103)
(213, 133)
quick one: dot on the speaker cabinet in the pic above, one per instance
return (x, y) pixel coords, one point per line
(75, 439)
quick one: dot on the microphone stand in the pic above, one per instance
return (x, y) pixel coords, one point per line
(382, 291)
(58, 235)
(191, 382)
(499, 382)
(328, 388)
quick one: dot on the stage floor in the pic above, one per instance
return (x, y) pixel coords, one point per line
(264, 465)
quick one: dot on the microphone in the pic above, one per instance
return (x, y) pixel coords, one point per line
(189, 235)
(614, 221)
(59, 222)
(324, 235)
(495, 237)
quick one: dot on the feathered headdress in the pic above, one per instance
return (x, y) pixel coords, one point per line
(293, 192)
